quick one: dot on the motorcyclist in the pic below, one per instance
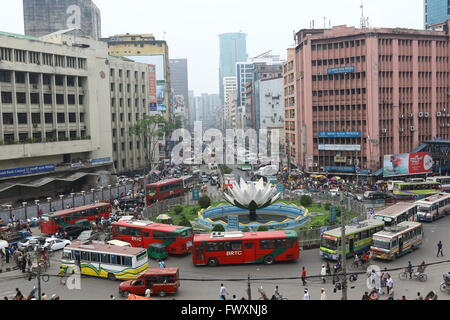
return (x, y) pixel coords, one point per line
(410, 269)
(356, 260)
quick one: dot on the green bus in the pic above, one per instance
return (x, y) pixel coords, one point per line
(244, 167)
(419, 190)
(358, 239)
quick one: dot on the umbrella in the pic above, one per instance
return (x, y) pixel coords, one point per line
(163, 217)
(135, 297)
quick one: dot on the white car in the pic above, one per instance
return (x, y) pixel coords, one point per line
(30, 242)
(56, 244)
(334, 192)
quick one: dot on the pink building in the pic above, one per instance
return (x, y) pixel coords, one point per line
(364, 93)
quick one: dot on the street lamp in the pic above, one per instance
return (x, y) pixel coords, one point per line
(37, 208)
(83, 193)
(49, 204)
(101, 190)
(25, 204)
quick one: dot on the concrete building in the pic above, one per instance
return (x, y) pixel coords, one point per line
(180, 85)
(233, 49)
(207, 106)
(55, 125)
(230, 96)
(129, 84)
(144, 48)
(365, 93)
(42, 17)
(436, 12)
(271, 106)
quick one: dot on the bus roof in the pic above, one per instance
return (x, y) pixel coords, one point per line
(227, 236)
(93, 246)
(146, 224)
(390, 232)
(160, 271)
(397, 208)
(433, 198)
(165, 182)
(66, 211)
(419, 183)
(354, 228)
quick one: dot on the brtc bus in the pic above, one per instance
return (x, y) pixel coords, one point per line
(444, 181)
(51, 222)
(163, 190)
(177, 240)
(397, 213)
(220, 248)
(358, 239)
(434, 207)
(104, 261)
(398, 240)
(417, 189)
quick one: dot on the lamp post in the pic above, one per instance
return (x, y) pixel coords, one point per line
(73, 199)
(83, 193)
(49, 204)
(10, 211)
(25, 205)
(37, 208)
(62, 201)
(101, 192)
(93, 195)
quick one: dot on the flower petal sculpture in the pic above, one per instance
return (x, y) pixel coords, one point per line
(252, 196)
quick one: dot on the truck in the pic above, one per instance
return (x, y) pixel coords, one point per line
(160, 281)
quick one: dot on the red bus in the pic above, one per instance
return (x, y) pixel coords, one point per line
(50, 223)
(163, 190)
(138, 233)
(250, 247)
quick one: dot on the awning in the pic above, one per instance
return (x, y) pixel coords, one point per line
(38, 183)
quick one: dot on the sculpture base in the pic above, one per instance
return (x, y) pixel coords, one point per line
(252, 216)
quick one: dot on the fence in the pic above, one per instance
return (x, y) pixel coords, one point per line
(77, 200)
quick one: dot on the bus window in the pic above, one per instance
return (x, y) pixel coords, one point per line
(364, 234)
(227, 246)
(248, 245)
(85, 256)
(116, 259)
(236, 246)
(95, 257)
(105, 258)
(126, 261)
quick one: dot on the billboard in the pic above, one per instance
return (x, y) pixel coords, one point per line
(341, 70)
(339, 147)
(158, 60)
(339, 134)
(4, 173)
(152, 83)
(161, 96)
(407, 164)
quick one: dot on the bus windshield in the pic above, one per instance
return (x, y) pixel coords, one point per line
(152, 190)
(382, 244)
(186, 234)
(424, 209)
(329, 244)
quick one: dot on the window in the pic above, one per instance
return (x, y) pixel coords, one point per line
(95, 257)
(85, 256)
(6, 97)
(105, 258)
(61, 117)
(116, 259)
(22, 118)
(21, 97)
(8, 118)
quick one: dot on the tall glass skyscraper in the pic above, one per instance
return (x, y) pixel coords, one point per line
(436, 11)
(233, 49)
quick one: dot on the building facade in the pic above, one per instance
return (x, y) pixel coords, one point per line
(436, 12)
(43, 17)
(271, 106)
(230, 96)
(129, 87)
(55, 122)
(233, 49)
(180, 85)
(365, 93)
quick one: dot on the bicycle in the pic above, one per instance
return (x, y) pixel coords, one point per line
(417, 275)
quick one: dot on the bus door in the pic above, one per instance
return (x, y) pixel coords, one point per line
(400, 245)
(249, 251)
(199, 255)
(351, 246)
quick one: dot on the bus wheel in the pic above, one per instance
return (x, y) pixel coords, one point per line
(212, 262)
(111, 276)
(268, 260)
(162, 293)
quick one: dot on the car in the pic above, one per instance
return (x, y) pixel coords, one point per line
(375, 195)
(30, 242)
(205, 179)
(334, 192)
(72, 231)
(88, 235)
(55, 244)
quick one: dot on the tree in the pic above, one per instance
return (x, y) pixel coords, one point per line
(178, 209)
(306, 201)
(184, 222)
(204, 202)
(218, 228)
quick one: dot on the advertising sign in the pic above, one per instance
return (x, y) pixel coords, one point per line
(407, 164)
(233, 223)
(339, 159)
(152, 84)
(100, 161)
(26, 170)
(339, 134)
(161, 96)
(339, 147)
(195, 194)
(341, 70)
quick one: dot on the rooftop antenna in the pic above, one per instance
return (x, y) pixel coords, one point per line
(363, 19)
(324, 22)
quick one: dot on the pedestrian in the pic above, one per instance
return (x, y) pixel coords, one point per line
(234, 297)
(391, 294)
(328, 269)
(323, 295)
(7, 254)
(389, 284)
(365, 296)
(303, 276)
(375, 280)
(306, 296)
(223, 292)
(440, 249)
(148, 293)
(410, 269)
(403, 298)
(419, 296)
(44, 296)
(162, 264)
(112, 297)
(323, 273)
(19, 295)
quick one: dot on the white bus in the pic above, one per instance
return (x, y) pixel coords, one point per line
(444, 181)
(398, 240)
(104, 261)
(397, 213)
(434, 207)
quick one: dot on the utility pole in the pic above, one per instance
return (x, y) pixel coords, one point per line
(249, 289)
(344, 256)
(39, 277)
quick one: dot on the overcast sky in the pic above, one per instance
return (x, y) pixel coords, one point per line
(192, 27)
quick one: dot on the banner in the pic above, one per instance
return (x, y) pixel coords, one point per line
(407, 164)
(27, 170)
(339, 134)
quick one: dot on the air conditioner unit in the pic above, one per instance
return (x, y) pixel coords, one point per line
(411, 115)
(448, 125)
(402, 116)
(413, 128)
(384, 130)
(438, 114)
(420, 114)
(402, 130)
(427, 114)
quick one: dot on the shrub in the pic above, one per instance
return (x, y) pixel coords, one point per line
(195, 210)
(184, 222)
(218, 228)
(305, 201)
(246, 229)
(204, 202)
(178, 209)
(262, 228)
(327, 206)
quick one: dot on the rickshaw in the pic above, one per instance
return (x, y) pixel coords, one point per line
(157, 251)
(445, 286)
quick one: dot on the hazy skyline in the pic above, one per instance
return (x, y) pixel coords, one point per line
(191, 27)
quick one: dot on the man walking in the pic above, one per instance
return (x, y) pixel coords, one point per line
(323, 295)
(303, 276)
(306, 296)
(323, 273)
(439, 245)
(223, 292)
(389, 284)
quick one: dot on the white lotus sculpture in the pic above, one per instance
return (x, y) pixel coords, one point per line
(252, 196)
